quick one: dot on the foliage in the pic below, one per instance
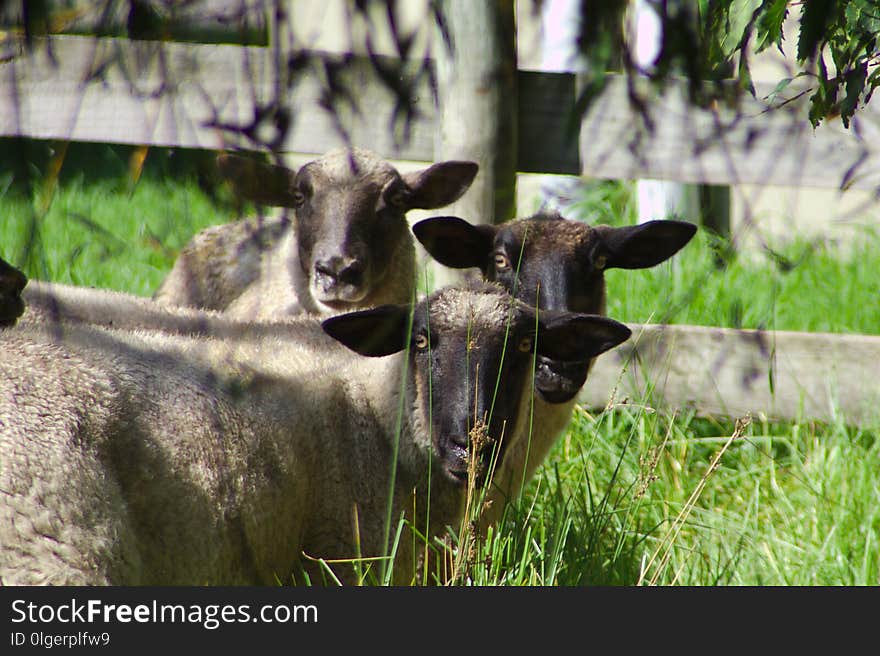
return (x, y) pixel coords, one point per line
(837, 47)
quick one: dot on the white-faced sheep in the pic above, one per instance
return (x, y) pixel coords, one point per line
(557, 264)
(348, 247)
(146, 458)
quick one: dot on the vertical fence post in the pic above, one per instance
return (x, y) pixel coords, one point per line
(477, 113)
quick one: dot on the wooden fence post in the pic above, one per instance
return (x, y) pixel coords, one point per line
(477, 113)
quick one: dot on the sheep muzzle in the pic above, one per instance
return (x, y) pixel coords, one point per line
(559, 382)
(340, 279)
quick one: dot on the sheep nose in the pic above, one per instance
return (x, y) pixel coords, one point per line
(344, 270)
(460, 441)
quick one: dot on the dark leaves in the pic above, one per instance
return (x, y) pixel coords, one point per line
(769, 25)
(816, 18)
(855, 84)
(711, 40)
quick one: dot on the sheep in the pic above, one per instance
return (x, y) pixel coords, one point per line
(552, 263)
(140, 457)
(349, 245)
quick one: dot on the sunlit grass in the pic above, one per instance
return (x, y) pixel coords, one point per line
(95, 235)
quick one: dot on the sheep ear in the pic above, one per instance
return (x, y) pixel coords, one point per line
(12, 282)
(260, 182)
(454, 242)
(375, 332)
(641, 246)
(573, 337)
(440, 184)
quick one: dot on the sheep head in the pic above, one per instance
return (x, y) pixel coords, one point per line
(472, 354)
(350, 210)
(554, 264)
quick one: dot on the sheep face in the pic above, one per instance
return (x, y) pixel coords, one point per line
(350, 214)
(555, 264)
(472, 355)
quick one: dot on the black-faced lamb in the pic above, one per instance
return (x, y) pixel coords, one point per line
(348, 247)
(133, 457)
(557, 264)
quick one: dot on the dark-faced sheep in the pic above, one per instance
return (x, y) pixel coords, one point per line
(555, 264)
(146, 458)
(348, 247)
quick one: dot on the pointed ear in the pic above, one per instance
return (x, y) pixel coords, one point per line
(375, 332)
(440, 184)
(643, 245)
(12, 282)
(260, 182)
(569, 336)
(454, 242)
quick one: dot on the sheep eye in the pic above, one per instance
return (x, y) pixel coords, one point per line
(396, 195)
(421, 342)
(397, 200)
(600, 262)
(525, 345)
(501, 262)
(299, 198)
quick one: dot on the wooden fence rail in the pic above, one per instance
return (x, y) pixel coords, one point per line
(731, 373)
(175, 94)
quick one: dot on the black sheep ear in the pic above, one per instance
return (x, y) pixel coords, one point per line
(375, 332)
(454, 242)
(12, 283)
(440, 184)
(640, 246)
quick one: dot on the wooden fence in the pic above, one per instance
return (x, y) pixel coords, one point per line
(182, 94)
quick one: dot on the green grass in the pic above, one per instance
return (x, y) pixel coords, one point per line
(93, 235)
(92, 225)
(827, 290)
(787, 504)
(627, 496)
(795, 285)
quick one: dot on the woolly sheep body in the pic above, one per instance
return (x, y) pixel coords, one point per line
(220, 262)
(143, 459)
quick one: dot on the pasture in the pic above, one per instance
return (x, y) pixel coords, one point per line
(630, 495)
